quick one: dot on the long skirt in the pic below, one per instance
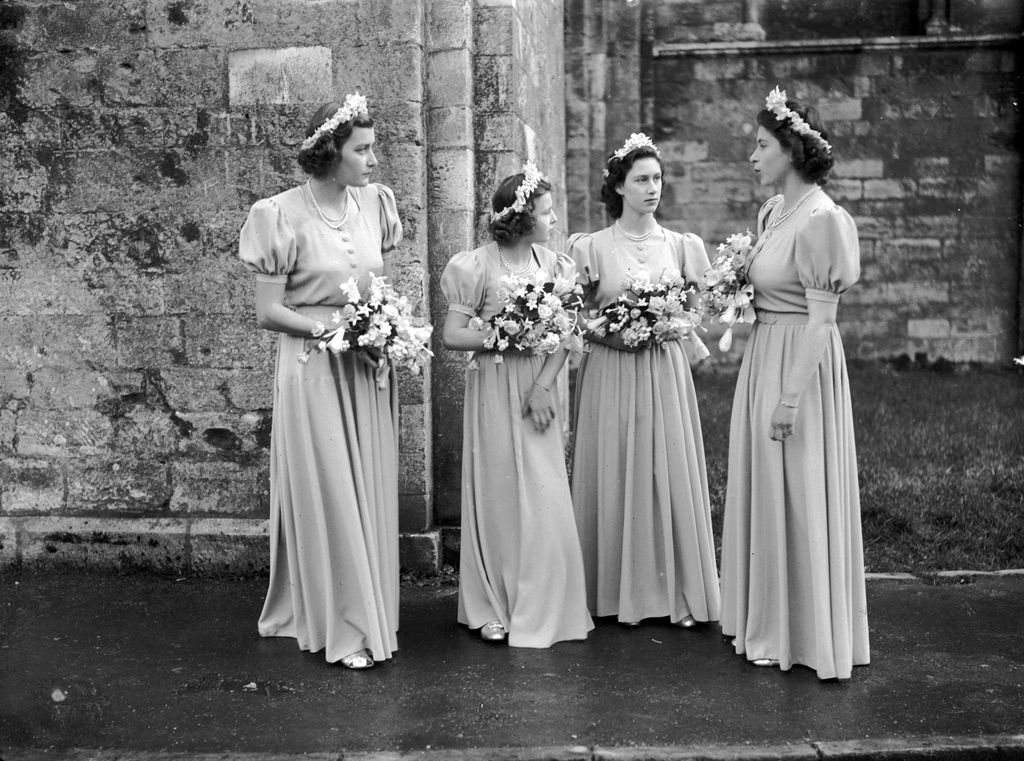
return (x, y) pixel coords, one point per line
(792, 555)
(640, 490)
(333, 506)
(520, 560)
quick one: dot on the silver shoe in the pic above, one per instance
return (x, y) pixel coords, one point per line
(492, 632)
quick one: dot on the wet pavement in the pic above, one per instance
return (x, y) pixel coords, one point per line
(146, 666)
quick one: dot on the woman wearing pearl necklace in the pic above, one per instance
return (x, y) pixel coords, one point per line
(521, 573)
(792, 558)
(334, 441)
(639, 482)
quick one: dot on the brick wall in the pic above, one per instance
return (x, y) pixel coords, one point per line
(927, 135)
(135, 388)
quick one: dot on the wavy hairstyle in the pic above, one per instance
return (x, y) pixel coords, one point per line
(515, 224)
(325, 155)
(615, 174)
(810, 159)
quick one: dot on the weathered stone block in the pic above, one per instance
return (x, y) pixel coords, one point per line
(31, 486)
(928, 328)
(223, 434)
(217, 488)
(226, 343)
(449, 82)
(229, 546)
(493, 84)
(886, 189)
(126, 484)
(280, 75)
(450, 127)
(250, 390)
(420, 553)
(63, 388)
(189, 389)
(862, 169)
(28, 342)
(450, 178)
(449, 24)
(494, 29)
(104, 543)
(62, 433)
(9, 554)
(149, 341)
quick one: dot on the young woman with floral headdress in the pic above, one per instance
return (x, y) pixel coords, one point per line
(521, 574)
(792, 558)
(334, 441)
(639, 482)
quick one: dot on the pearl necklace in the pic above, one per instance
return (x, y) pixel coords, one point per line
(335, 223)
(783, 217)
(512, 270)
(637, 238)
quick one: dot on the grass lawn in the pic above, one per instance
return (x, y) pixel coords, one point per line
(941, 458)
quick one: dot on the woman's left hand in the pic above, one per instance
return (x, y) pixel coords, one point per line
(539, 405)
(783, 422)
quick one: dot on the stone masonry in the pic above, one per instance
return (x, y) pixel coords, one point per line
(927, 134)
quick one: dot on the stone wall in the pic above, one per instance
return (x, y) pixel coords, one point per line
(927, 134)
(135, 388)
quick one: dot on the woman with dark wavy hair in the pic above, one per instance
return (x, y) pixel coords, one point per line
(520, 574)
(792, 557)
(334, 441)
(639, 482)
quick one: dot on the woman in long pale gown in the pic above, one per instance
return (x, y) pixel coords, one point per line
(792, 557)
(520, 574)
(639, 483)
(334, 441)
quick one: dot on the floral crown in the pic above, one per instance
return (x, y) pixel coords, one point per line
(776, 103)
(532, 178)
(354, 105)
(634, 141)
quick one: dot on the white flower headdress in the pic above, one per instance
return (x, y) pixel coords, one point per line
(532, 177)
(634, 141)
(354, 105)
(776, 103)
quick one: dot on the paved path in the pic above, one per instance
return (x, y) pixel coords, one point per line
(144, 667)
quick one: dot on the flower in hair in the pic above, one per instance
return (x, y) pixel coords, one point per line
(776, 103)
(532, 178)
(354, 105)
(634, 141)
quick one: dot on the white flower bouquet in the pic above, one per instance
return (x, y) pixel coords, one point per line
(381, 325)
(538, 317)
(649, 313)
(725, 291)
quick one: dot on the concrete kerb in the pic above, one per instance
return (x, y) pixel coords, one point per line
(942, 748)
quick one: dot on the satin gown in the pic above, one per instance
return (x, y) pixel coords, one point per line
(334, 439)
(792, 556)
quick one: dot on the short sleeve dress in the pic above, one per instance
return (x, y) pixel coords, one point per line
(792, 556)
(520, 560)
(639, 481)
(334, 438)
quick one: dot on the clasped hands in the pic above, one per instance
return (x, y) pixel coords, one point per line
(539, 406)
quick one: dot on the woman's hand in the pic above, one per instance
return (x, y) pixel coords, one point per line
(539, 406)
(783, 422)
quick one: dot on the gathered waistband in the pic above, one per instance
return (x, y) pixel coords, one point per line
(781, 318)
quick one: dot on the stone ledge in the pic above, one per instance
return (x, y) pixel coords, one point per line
(201, 546)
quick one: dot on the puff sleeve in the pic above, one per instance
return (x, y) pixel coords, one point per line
(463, 283)
(693, 259)
(390, 223)
(266, 244)
(580, 249)
(827, 254)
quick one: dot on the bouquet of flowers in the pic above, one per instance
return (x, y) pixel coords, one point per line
(538, 317)
(381, 325)
(725, 291)
(650, 313)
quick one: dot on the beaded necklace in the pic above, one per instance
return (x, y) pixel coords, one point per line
(335, 223)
